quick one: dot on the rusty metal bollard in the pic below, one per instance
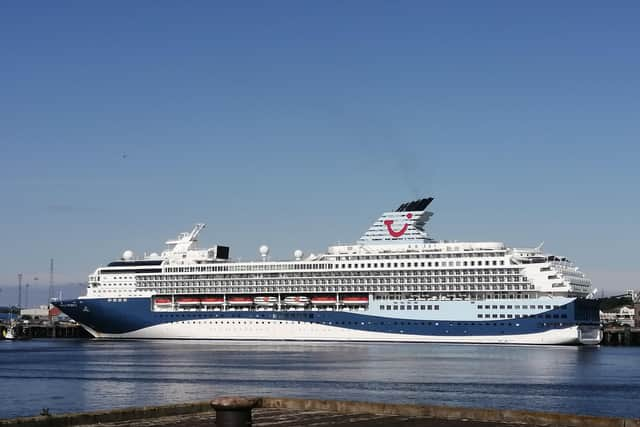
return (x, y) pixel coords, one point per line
(234, 411)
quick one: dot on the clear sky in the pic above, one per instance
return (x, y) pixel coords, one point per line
(296, 124)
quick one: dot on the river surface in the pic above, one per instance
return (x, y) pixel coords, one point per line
(82, 375)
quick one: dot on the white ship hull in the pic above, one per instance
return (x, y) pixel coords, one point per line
(294, 331)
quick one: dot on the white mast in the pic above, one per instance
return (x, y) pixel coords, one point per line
(185, 240)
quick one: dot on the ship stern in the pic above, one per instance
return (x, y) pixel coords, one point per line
(589, 334)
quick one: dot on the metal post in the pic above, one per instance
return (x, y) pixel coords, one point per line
(53, 326)
(234, 411)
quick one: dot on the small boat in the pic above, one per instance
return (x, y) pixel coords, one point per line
(240, 301)
(355, 300)
(15, 331)
(9, 333)
(212, 301)
(265, 301)
(188, 301)
(296, 301)
(323, 300)
(163, 302)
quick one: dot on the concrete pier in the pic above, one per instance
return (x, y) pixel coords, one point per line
(288, 412)
(59, 330)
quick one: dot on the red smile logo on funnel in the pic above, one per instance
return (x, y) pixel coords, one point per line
(392, 232)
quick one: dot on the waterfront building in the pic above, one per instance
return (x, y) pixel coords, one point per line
(622, 316)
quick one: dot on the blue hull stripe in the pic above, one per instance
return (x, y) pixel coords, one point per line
(110, 317)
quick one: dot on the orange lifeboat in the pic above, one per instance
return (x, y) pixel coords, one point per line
(296, 301)
(212, 301)
(265, 301)
(323, 300)
(240, 300)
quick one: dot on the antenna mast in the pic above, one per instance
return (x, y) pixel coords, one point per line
(19, 290)
(50, 280)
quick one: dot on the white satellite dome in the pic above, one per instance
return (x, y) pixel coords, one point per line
(127, 255)
(154, 255)
(298, 254)
(264, 250)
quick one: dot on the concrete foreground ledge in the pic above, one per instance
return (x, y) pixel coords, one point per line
(108, 416)
(426, 412)
(500, 416)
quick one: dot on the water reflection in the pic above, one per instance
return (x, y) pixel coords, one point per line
(89, 375)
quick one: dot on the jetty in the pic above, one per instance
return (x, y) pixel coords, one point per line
(47, 330)
(239, 411)
(620, 335)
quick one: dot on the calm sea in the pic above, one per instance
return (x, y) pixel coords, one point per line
(82, 375)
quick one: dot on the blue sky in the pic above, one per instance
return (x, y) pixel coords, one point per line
(296, 124)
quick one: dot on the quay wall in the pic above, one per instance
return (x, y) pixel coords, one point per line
(620, 335)
(497, 416)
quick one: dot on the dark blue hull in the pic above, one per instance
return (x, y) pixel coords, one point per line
(135, 318)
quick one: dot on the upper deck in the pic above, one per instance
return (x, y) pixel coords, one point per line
(404, 259)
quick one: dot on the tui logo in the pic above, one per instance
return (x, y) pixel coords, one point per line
(392, 232)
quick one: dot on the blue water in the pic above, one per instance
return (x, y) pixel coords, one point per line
(82, 375)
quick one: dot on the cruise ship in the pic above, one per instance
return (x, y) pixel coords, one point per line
(395, 284)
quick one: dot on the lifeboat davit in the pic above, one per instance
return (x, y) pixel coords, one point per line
(240, 301)
(188, 301)
(355, 300)
(265, 301)
(323, 300)
(296, 301)
(212, 301)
